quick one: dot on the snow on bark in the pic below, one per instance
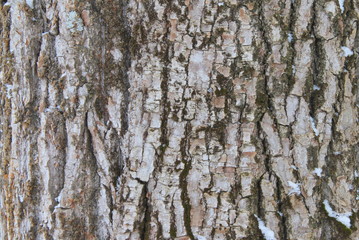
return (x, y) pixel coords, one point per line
(346, 51)
(340, 217)
(295, 188)
(341, 5)
(318, 172)
(268, 234)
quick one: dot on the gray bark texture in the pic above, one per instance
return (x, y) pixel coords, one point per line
(182, 119)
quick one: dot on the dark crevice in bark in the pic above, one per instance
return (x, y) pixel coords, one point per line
(263, 145)
(146, 207)
(92, 192)
(109, 202)
(305, 203)
(315, 97)
(263, 95)
(126, 37)
(116, 158)
(186, 160)
(292, 52)
(173, 229)
(260, 210)
(281, 207)
(166, 105)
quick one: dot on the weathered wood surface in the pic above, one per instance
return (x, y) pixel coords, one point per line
(186, 119)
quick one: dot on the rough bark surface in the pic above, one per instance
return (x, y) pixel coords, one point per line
(183, 119)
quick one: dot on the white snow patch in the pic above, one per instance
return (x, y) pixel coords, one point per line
(58, 198)
(294, 70)
(290, 37)
(52, 109)
(199, 237)
(356, 173)
(30, 3)
(318, 171)
(295, 188)
(316, 87)
(337, 153)
(220, 4)
(7, 5)
(9, 88)
(340, 217)
(316, 132)
(268, 234)
(346, 51)
(293, 167)
(341, 5)
(117, 55)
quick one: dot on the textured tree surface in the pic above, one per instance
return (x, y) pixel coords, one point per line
(183, 119)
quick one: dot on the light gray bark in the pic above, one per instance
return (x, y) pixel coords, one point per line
(192, 119)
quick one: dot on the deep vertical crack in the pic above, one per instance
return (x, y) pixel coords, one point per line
(127, 59)
(164, 90)
(146, 207)
(283, 219)
(186, 160)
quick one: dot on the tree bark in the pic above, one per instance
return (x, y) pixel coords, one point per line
(192, 119)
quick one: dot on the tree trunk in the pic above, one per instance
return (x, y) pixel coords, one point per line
(192, 119)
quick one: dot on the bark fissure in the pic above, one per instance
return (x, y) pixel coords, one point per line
(145, 224)
(284, 229)
(186, 160)
(127, 40)
(317, 67)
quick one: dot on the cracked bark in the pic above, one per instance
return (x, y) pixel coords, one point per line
(178, 120)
